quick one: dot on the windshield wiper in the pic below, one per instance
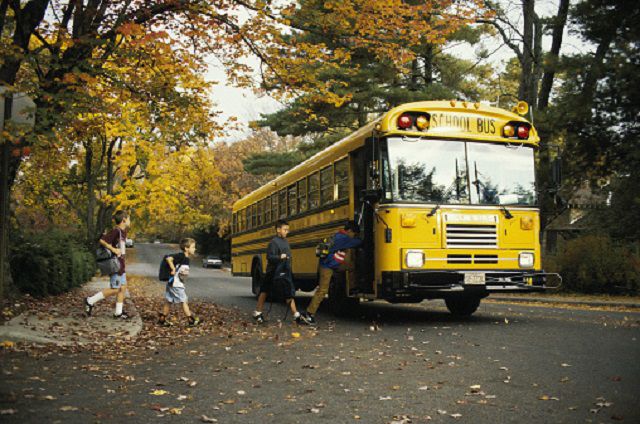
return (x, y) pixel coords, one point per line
(433, 211)
(506, 212)
(477, 183)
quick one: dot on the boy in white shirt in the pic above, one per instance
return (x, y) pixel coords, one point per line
(175, 292)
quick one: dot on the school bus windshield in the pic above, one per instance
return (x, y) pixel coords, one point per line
(458, 172)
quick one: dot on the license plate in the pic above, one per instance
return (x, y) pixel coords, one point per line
(474, 278)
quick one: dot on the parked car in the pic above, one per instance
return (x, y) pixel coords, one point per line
(211, 261)
(128, 243)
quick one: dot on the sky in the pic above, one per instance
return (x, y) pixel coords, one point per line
(245, 105)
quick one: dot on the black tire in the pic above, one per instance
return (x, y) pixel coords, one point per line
(339, 303)
(462, 306)
(256, 276)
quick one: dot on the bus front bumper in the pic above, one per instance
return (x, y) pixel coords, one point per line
(416, 285)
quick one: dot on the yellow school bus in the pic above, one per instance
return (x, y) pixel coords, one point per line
(445, 195)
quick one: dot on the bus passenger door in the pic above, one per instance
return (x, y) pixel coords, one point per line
(365, 268)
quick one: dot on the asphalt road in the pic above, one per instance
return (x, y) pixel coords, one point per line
(385, 363)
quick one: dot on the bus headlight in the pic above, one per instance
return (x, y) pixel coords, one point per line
(414, 259)
(525, 260)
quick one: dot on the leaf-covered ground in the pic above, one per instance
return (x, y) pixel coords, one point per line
(394, 365)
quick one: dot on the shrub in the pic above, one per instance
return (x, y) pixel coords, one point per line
(49, 263)
(595, 264)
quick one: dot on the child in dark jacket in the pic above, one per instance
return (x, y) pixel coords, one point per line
(336, 260)
(278, 262)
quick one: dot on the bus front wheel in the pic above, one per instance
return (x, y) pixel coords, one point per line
(462, 306)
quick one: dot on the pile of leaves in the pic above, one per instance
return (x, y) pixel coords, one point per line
(65, 319)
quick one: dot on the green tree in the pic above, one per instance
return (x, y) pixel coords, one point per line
(368, 85)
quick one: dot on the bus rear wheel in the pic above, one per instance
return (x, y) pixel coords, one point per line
(256, 276)
(462, 306)
(339, 302)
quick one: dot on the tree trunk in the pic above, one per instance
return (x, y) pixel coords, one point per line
(26, 20)
(91, 196)
(415, 75)
(551, 60)
(428, 65)
(595, 70)
(537, 63)
(526, 77)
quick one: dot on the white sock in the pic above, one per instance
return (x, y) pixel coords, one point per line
(119, 308)
(256, 313)
(296, 315)
(95, 298)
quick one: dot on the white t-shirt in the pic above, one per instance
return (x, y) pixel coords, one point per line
(181, 275)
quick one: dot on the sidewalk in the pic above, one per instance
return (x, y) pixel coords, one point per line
(66, 324)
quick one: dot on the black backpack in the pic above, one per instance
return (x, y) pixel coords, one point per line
(283, 287)
(324, 247)
(164, 273)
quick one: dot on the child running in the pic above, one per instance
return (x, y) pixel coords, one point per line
(175, 292)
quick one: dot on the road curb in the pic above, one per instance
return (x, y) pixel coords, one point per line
(565, 301)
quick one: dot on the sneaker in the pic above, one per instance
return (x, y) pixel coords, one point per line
(311, 320)
(301, 320)
(165, 323)
(194, 322)
(123, 315)
(258, 318)
(88, 308)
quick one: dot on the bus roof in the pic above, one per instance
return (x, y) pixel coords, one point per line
(448, 119)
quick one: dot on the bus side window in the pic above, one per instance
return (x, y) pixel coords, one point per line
(326, 185)
(342, 179)
(274, 207)
(293, 200)
(267, 210)
(259, 209)
(253, 216)
(302, 195)
(282, 203)
(234, 223)
(314, 190)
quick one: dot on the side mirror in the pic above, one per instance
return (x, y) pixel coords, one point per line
(374, 174)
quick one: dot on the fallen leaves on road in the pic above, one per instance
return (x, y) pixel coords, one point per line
(63, 319)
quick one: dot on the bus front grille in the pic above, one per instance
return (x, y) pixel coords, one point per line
(469, 236)
(468, 259)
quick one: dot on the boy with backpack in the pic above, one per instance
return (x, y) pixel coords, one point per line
(114, 241)
(278, 267)
(335, 260)
(178, 271)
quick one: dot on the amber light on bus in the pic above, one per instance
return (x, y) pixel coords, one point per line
(422, 122)
(516, 130)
